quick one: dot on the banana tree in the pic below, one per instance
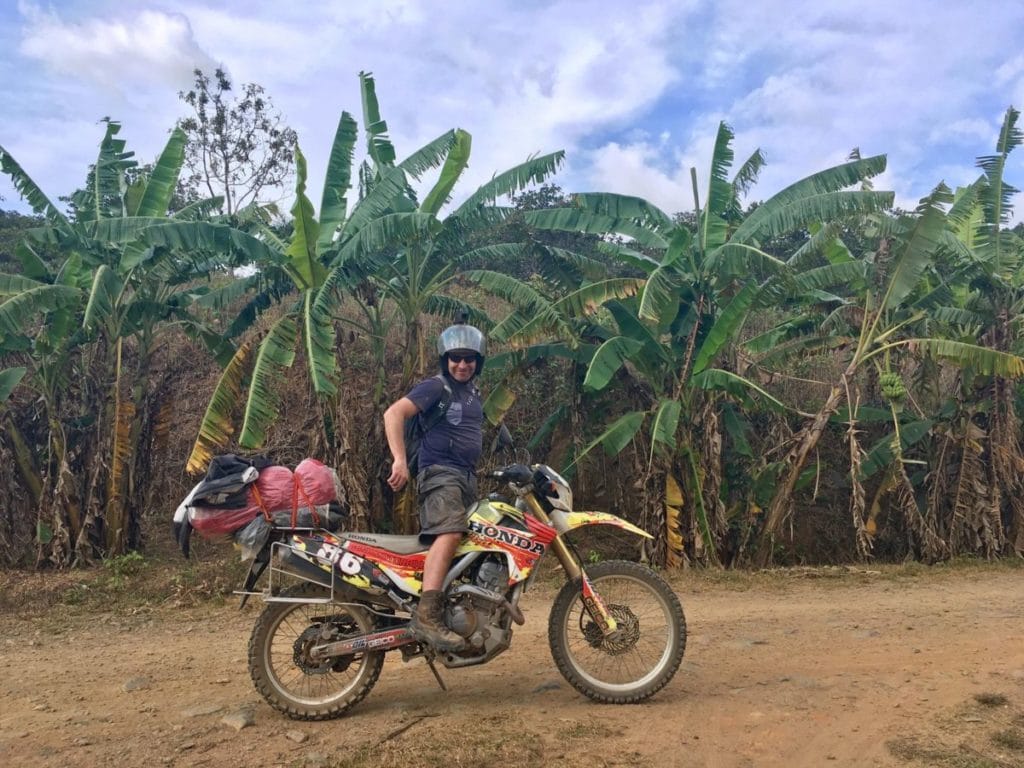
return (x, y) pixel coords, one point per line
(325, 259)
(390, 252)
(118, 285)
(556, 316)
(305, 325)
(423, 250)
(39, 316)
(975, 491)
(894, 313)
(701, 285)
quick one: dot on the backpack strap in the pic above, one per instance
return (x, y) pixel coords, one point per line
(433, 416)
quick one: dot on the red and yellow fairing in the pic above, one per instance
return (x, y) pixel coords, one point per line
(498, 527)
(366, 567)
(567, 521)
(405, 571)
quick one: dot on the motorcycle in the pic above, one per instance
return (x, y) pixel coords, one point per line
(616, 629)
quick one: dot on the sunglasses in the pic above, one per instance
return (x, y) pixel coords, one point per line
(462, 358)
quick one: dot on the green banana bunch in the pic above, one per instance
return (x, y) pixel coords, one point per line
(892, 386)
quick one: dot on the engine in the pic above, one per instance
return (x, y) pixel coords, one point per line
(492, 575)
(477, 609)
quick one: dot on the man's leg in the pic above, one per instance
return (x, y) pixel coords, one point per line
(428, 621)
(439, 557)
(442, 516)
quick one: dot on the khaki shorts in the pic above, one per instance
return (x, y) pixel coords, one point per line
(445, 493)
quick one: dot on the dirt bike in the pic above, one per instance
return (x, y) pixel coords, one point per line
(616, 629)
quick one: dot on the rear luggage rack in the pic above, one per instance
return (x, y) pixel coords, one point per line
(286, 565)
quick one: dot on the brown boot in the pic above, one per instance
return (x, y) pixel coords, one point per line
(428, 623)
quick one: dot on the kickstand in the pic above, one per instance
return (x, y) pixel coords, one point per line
(437, 675)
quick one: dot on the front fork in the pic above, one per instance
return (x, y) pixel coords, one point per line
(574, 570)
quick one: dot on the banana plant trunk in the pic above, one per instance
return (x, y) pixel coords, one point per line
(116, 506)
(137, 462)
(795, 460)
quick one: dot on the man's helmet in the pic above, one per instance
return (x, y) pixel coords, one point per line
(461, 336)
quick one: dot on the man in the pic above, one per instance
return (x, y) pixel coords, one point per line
(448, 455)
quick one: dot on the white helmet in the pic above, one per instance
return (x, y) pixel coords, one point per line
(462, 336)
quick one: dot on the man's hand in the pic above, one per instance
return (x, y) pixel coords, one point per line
(399, 474)
(394, 425)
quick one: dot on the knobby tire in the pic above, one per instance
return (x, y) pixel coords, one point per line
(320, 694)
(640, 663)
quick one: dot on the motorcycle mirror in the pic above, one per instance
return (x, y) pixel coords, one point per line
(502, 441)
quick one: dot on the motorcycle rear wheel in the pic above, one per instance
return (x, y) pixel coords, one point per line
(649, 648)
(294, 684)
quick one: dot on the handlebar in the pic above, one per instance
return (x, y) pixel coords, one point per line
(514, 473)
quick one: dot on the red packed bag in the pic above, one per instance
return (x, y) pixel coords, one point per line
(219, 521)
(275, 488)
(314, 483)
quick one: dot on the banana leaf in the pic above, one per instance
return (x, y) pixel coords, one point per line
(454, 165)
(882, 454)
(9, 379)
(617, 436)
(337, 181)
(610, 356)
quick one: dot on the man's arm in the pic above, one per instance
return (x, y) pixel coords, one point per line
(394, 430)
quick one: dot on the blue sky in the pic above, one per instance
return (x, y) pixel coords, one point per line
(632, 91)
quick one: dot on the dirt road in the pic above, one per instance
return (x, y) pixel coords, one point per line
(802, 668)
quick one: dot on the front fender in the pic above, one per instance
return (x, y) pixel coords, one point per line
(567, 521)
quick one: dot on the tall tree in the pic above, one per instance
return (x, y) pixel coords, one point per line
(238, 149)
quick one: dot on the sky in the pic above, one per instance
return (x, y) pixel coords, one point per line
(632, 91)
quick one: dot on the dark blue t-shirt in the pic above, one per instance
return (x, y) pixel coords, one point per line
(456, 440)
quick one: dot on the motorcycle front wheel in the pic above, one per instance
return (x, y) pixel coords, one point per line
(287, 676)
(641, 657)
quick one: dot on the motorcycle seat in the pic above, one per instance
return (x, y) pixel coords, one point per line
(400, 545)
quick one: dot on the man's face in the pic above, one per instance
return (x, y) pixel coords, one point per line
(462, 364)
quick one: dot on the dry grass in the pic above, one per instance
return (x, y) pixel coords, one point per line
(126, 584)
(991, 699)
(1011, 738)
(985, 732)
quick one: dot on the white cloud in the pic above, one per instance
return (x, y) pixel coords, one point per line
(631, 170)
(56, 146)
(146, 47)
(633, 92)
(973, 129)
(1010, 71)
(522, 79)
(808, 82)
(1010, 76)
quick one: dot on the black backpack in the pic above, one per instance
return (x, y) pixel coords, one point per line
(421, 423)
(226, 482)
